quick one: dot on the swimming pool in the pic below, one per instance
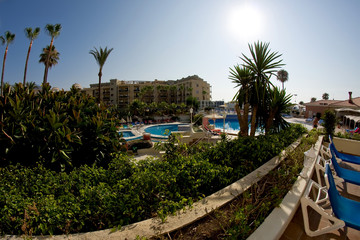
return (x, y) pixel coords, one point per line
(127, 134)
(231, 124)
(164, 130)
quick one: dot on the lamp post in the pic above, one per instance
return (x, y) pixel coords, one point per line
(191, 112)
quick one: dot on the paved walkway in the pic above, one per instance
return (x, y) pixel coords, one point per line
(302, 121)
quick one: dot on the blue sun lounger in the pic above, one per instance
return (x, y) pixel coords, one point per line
(346, 174)
(343, 156)
(345, 209)
(345, 212)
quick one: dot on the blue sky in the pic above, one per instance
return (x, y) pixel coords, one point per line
(169, 40)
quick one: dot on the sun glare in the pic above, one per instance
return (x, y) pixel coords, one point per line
(245, 22)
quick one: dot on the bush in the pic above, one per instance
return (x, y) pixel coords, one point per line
(36, 200)
(61, 130)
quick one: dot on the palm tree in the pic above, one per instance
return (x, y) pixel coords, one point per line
(262, 63)
(277, 103)
(100, 58)
(244, 79)
(49, 57)
(8, 38)
(31, 35)
(53, 31)
(282, 76)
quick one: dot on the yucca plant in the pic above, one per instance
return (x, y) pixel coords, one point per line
(263, 63)
(278, 102)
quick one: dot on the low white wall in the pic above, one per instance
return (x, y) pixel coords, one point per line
(347, 145)
(275, 224)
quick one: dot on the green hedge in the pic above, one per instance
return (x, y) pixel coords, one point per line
(61, 130)
(35, 200)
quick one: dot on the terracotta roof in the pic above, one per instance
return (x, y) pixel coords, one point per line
(322, 102)
(355, 104)
(336, 103)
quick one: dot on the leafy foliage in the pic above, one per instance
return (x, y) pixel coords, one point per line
(59, 129)
(41, 201)
(329, 123)
(256, 90)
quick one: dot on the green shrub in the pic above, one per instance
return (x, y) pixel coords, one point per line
(61, 130)
(36, 200)
(329, 123)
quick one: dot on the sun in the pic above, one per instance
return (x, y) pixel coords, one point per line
(245, 22)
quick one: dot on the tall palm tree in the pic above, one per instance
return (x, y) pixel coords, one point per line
(100, 57)
(263, 63)
(8, 38)
(31, 35)
(282, 76)
(244, 79)
(53, 31)
(49, 58)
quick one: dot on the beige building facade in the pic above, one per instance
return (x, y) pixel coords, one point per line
(121, 93)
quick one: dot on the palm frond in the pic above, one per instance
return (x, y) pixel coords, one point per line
(9, 37)
(53, 30)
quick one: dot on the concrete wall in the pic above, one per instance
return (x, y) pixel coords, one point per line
(347, 146)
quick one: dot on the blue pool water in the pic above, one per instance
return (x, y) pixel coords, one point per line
(127, 134)
(162, 130)
(231, 125)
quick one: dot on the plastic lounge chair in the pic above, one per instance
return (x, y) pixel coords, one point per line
(320, 164)
(318, 200)
(346, 174)
(209, 130)
(343, 156)
(345, 209)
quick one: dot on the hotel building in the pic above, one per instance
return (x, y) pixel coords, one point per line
(121, 92)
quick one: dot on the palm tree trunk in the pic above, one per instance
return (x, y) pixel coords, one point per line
(246, 119)
(242, 122)
(27, 60)
(100, 74)
(269, 121)
(47, 61)
(2, 73)
(282, 85)
(253, 120)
